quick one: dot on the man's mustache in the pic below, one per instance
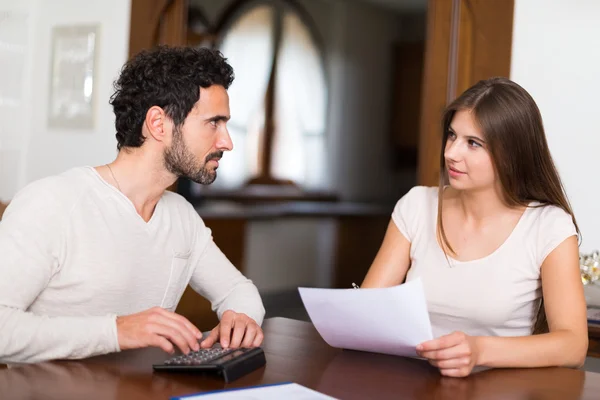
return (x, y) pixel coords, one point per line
(212, 156)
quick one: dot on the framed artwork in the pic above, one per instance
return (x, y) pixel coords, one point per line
(71, 103)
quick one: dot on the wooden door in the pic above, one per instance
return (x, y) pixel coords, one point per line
(155, 22)
(467, 40)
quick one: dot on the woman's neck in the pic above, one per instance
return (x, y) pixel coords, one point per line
(477, 206)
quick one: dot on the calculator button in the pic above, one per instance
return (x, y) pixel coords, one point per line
(200, 357)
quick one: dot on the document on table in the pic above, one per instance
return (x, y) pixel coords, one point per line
(387, 320)
(288, 391)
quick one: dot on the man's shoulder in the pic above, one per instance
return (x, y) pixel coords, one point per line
(176, 200)
(55, 190)
(72, 180)
(179, 204)
(182, 211)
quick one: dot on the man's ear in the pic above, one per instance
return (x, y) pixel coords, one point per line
(157, 123)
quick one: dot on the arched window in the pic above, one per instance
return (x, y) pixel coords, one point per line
(279, 97)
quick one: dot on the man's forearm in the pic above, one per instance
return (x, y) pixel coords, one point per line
(244, 299)
(27, 338)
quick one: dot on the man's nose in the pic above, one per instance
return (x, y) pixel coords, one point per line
(224, 143)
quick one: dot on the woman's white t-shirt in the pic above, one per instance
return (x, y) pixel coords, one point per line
(497, 295)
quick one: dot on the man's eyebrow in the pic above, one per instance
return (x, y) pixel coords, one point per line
(218, 118)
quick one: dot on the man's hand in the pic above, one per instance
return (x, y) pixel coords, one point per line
(159, 328)
(235, 330)
(455, 354)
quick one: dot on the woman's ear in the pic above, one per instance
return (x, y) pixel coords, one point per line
(156, 123)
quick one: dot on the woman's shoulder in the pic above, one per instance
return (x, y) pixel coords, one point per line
(417, 199)
(547, 227)
(421, 193)
(414, 209)
(548, 214)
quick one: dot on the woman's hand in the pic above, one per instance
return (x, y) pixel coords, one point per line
(455, 354)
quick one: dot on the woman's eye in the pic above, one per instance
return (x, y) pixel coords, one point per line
(451, 135)
(473, 143)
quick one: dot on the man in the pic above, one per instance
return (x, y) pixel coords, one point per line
(95, 260)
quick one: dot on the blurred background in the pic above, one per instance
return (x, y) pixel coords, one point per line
(335, 111)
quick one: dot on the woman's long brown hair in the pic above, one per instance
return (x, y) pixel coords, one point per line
(512, 127)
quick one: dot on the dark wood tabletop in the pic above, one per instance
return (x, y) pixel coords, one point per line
(295, 352)
(594, 339)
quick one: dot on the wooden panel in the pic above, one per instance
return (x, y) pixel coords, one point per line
(173, 27)
(358, 240)
(145, 20)
(156, 22)
(408, 80)
(435, 85)
(467, 40)
(485, 41)
(229, 235)
(594, 340)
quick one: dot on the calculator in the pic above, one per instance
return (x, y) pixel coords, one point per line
(227, 364)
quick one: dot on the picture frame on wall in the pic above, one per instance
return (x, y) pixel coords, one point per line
(72, 77)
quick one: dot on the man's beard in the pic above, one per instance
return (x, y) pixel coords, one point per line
(180, 161)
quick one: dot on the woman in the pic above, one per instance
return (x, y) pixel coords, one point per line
(496, 245)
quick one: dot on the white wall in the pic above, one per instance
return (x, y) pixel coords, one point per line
(29, 150)
(557, 59)
(51, 151)
(16, 33)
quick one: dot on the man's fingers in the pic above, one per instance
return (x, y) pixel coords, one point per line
(225, 329)
(176, 324)
(183, 320)
(239, 329)
(173, 335)
(250, 335)
(210, 339)
(164, 344)
(259, 338)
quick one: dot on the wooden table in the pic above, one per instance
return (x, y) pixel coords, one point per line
(594, 340)
(295, 352)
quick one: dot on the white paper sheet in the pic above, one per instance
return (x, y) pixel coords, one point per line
(288, 391)
(388, 320)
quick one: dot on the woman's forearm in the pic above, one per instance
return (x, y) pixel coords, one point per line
(560, 348)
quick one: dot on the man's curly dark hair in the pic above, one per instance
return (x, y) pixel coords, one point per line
(168, 77)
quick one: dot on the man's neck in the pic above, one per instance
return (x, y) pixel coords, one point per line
(140, 177)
